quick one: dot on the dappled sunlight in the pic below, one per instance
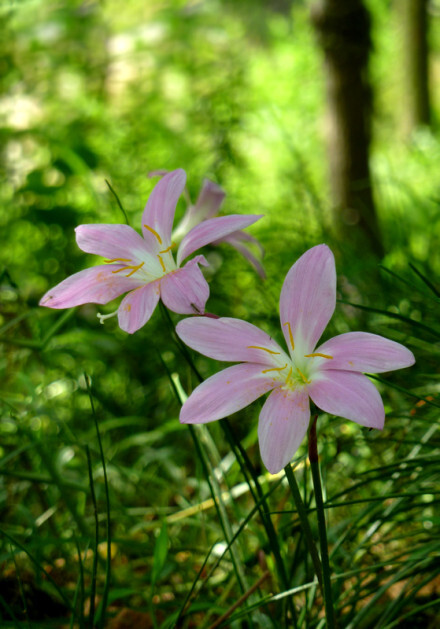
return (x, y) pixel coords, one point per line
(113, 510)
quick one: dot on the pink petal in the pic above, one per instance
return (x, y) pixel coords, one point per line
(138, 306)
(241, 236)
(284, 420)
(350, 395)
(210, 198)
(161, 206)
(308, 298)
(185, 290)
(224, 393)
(159, 172)
(230, 340)
(111, 241)
(360, 351)
(97, 285)
(213, 229)
(246, 254)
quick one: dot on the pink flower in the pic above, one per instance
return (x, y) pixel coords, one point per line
(329, 374)
(207, 206)
(144, 266)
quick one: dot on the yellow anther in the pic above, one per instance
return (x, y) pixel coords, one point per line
(123, 268)
(172, 245)
(292, 344)
(269, 351)
(117, 260)
(154, 232)
(318, 354)
(162, 264)
(302, 376)
(274, 369)
(131, 267)
(135, 268)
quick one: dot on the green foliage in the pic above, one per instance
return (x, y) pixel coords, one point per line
(233, 91)
(160, 553)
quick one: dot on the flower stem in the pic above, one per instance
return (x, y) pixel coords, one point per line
(314, 464)
(245, 466)
(302, 512)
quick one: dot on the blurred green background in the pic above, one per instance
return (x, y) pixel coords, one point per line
(232, 91)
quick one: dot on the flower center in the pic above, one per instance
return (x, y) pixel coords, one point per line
(297, 371)
(289, 375)
(165, 257)
(152, 267)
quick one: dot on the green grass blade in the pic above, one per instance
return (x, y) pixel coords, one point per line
(118, 201)
(95, 542)
(107, 582)
(424, 279)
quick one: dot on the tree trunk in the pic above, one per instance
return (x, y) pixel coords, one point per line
(414, 20)
(343, 28)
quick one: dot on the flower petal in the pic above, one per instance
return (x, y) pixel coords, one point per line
(185, 290)
(224, 393)
(308, 298)
(213, 229)
(350, 395)
(284, 420)
(138, 306)
(241, 248)
(161, 206)
(208, 202)
(97, 285)
(207, 205)
(361, 351)
(111, 241)
(230, 340)
(241, 236)
(159, 172)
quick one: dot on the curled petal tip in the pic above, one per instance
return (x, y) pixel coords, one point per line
(159, 172)
(45, 302)
(211, 230)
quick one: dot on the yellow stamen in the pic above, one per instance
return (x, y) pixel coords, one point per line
(288, 375)
(136, 268)
(123, 268)
(274, 369)
(318, 354)
(172, 245)
(131, 267)
(269, 351)
(162, 264)
(117, 260)
(154, 232)
(302, 376)
(292, 344)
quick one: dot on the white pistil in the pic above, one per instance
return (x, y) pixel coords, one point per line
(103, 317)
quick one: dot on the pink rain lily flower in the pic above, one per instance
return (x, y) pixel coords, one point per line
(207, 206)
(330, 374)
(144, 266)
